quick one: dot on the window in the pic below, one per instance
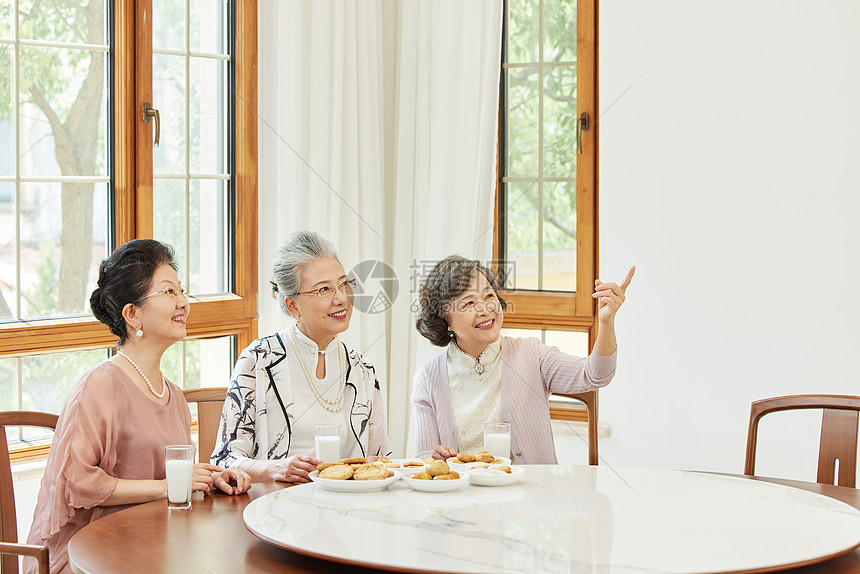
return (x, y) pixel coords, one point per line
(79, 175)
(547, 208)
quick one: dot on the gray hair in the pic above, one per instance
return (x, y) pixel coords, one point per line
(301, 248)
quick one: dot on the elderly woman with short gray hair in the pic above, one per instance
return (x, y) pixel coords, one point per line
(285, 384)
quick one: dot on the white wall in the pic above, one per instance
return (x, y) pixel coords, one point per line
(729, 176)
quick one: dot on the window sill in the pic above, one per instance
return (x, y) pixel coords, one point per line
(571, 428)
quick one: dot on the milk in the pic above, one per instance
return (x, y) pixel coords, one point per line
(328, 448)
(179, 474)
(499, 444)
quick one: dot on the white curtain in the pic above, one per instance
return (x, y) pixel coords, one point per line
(378, 122)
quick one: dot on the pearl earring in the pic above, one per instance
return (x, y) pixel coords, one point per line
(139, 331)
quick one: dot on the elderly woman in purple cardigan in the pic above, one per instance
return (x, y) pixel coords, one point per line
(483, 377)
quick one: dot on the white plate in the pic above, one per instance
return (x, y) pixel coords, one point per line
(353, 485)
(402, 461)
(468, 466)
(435, 485)
(490, 477)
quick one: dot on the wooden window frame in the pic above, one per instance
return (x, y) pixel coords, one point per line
(549, 310)
(214, 316)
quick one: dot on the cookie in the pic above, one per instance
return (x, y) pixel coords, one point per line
(466, 457)
(484, 456)
(422, 476)
(353, 460)
(438, 467)
(370, 472)
(324, 465)
(412, 464)
(503, 468)
(337, 472)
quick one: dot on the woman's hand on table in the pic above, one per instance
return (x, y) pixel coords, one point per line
(443, 452)
(232, 480)
(203, 478)
(294, 469)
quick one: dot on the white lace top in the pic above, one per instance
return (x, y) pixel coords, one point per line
(476, 397)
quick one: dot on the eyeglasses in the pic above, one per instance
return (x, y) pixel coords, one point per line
(327, 291)
(172, 291)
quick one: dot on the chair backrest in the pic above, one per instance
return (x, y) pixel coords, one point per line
(210, 402)
(8, 517)
(589, 399)
(838, 433)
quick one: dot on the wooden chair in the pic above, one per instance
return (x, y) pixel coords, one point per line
(9, 547)
(589, 399)
(838, 433)
(210, 402)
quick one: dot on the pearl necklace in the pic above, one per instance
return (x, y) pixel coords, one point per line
(336, 405)
(145, 378)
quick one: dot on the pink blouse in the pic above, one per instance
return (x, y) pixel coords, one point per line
(108, 429)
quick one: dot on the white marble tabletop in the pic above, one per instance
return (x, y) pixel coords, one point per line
(566, 519)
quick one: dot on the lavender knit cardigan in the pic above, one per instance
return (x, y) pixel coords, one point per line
(530, 372)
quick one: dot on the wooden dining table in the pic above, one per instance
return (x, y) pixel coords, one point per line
(212, 537)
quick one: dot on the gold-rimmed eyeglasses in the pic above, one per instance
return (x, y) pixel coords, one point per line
(172, 291)
(327, 291)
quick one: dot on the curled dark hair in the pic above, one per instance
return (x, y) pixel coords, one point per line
(126, 277)
(448, 280)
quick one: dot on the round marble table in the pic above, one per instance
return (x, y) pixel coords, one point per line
(565, 519)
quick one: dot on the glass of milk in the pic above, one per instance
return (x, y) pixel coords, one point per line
(497, 439)
(327, 442)
(179, 467)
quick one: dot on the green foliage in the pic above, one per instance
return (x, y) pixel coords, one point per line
(173, 364)
(6, 71)
(47, 379)
(45, 302)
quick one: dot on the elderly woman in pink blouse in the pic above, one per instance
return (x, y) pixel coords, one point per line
(485, 378)
(108, 449)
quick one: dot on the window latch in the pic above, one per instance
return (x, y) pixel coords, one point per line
(582, 126)
(148, 113)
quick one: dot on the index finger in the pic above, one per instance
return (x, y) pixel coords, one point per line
(629, 277)
(207, 466)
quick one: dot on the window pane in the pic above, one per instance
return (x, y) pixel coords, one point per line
(8, 385)
(522, 126)
(8, 275)
(47, 379)
(6, 19)
(81, 22)
(169, 89)
(559, 122)
(207, 26)
(522, 234)
(209, 249)
(168, 25)
(53, 143)
(196, 363)
(7, 128)
(208, 116)
(559, 28)
(171, 221)
(523, 21)
(62, 242)
(571, 342)
(559, 236)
